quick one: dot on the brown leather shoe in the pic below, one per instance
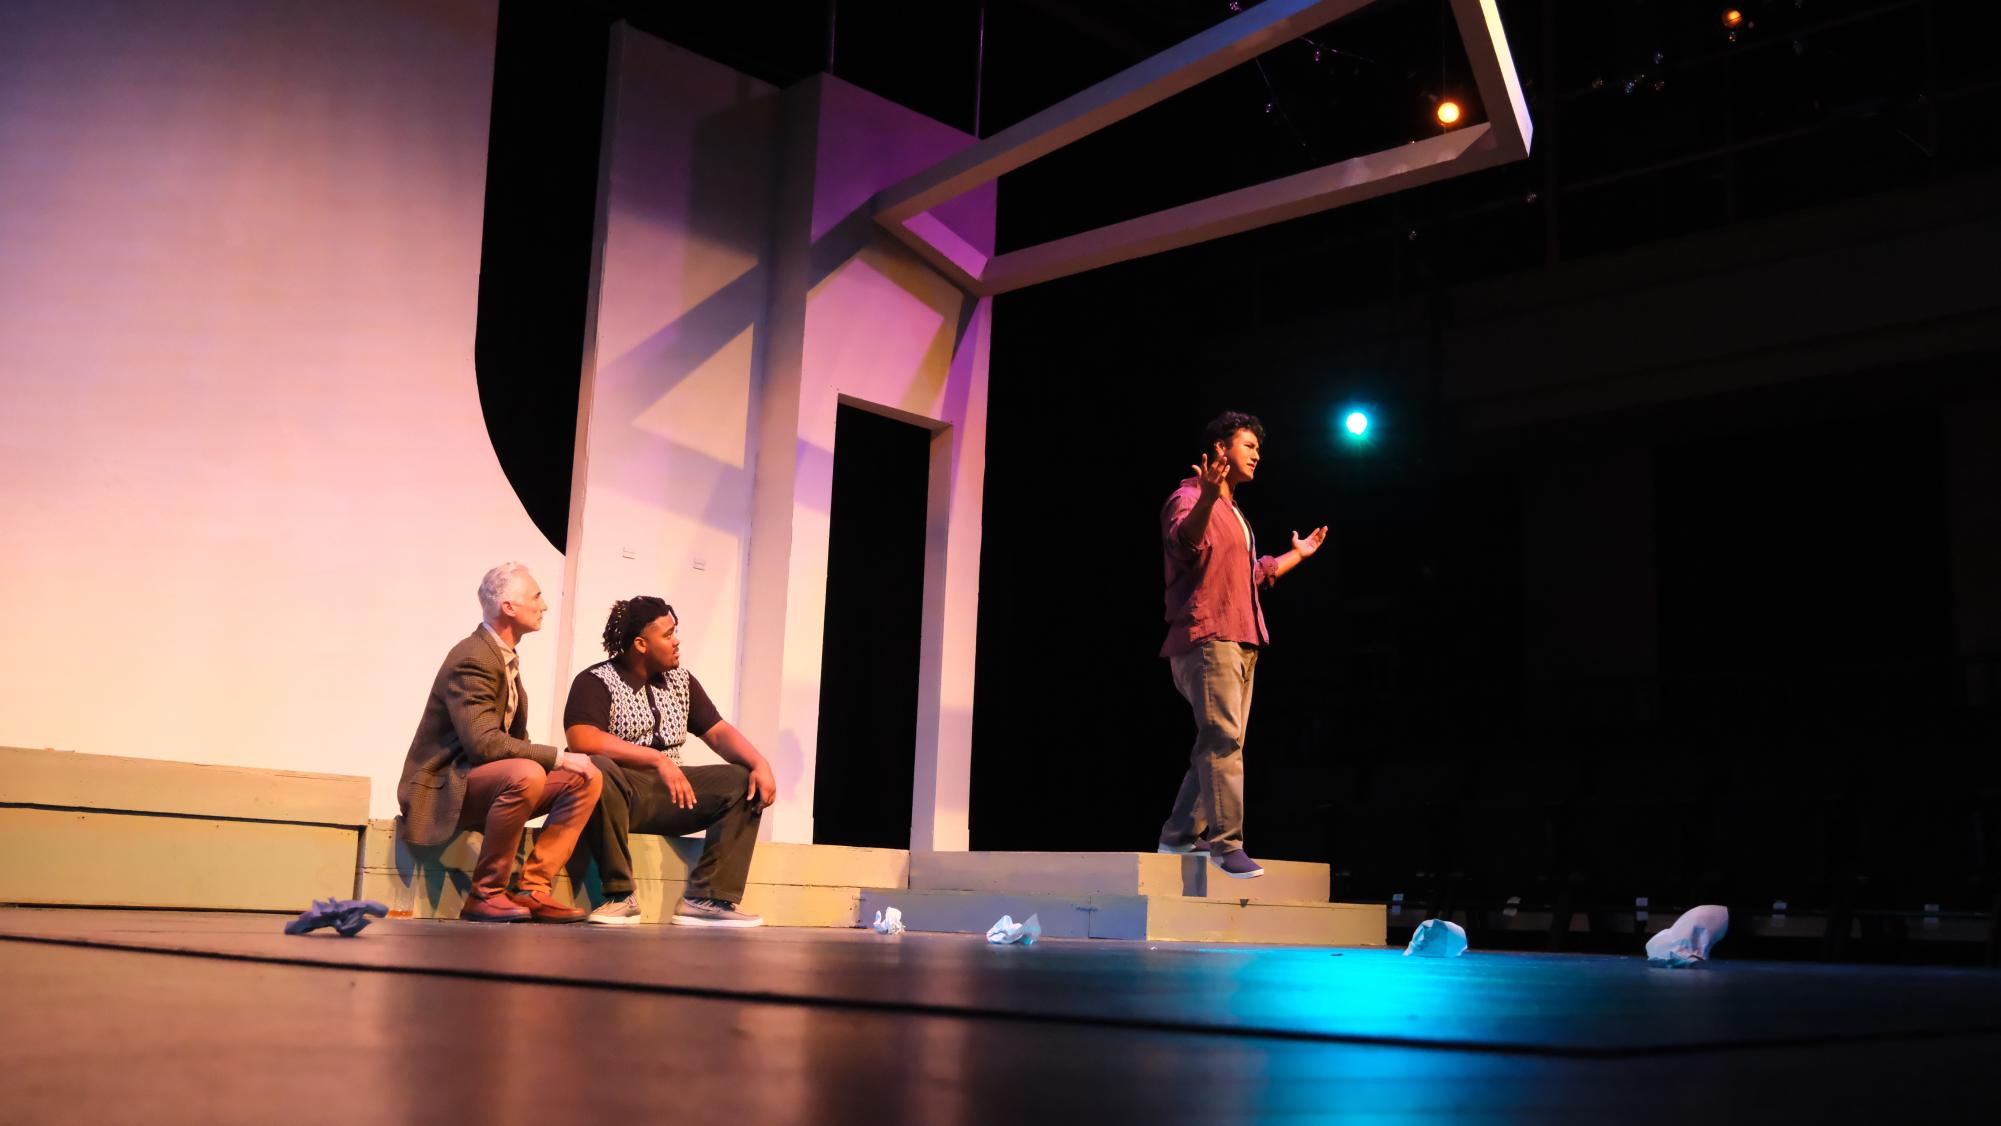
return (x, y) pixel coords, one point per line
(498, 909)
(545, 909)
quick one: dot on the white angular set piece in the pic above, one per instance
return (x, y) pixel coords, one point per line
(909, 210)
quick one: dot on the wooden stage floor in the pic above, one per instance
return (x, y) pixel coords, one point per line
(167, 1016)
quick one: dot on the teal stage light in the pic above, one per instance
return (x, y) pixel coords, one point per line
(1353, 430)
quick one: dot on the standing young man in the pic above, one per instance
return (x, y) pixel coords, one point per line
(1215, 630)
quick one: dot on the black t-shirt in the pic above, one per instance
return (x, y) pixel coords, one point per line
(590, 704)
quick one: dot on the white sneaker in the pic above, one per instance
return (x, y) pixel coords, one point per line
(620, 912)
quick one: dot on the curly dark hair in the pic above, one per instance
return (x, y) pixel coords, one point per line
(1223, 428)
(630, 618)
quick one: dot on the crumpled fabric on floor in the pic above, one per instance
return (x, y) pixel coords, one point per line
(1437, 938)
(346, 916)
(888, 921)
(1006, 930)
(1688, 942)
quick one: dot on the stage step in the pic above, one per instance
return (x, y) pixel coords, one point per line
(1115, 873)
(104, 830)
(1159, 918)
(791, 885)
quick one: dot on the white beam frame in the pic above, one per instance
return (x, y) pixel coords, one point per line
(906, 209)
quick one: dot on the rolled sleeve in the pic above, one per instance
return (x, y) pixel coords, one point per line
(1266, 573)
(1181, 539)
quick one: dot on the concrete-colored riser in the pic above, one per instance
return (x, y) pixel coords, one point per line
(669, 859)
(1061, 916)
(782, 905)
(438, 878)
(1305, 924)
(434, 891)
(1284, 881)
(1114, 873)
(211, 837)
(439, 893)
(140, 860)
(1152, 918)
(136, 785)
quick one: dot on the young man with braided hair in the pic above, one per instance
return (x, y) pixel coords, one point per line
(632, 713)
(1215, 630)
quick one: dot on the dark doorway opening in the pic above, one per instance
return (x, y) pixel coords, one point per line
(875, 606)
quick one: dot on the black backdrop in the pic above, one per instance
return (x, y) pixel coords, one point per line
(1799, 707)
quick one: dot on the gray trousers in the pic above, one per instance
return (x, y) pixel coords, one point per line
(1215, 678)
(636, 801)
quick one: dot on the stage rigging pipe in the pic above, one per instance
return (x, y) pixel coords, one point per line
(980, 68)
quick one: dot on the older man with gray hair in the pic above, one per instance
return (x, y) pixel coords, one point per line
(471, 765)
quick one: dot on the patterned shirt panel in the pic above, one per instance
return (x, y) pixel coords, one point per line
(652, 715)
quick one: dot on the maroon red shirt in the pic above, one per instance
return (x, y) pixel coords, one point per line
(1213, 575)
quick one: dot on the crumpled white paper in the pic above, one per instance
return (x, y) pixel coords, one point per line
(1007, 930)
(888, 921)
(1437, 938)
(1688, 941)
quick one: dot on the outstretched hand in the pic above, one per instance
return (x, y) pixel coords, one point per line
(1211, 475)
(1311, 543)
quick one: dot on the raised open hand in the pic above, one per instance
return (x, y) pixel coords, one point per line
(1211, 474)
(1306, 547)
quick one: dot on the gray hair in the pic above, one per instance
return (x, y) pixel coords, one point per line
(498, 584)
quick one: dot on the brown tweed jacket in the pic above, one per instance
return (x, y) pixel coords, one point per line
(461, 730)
